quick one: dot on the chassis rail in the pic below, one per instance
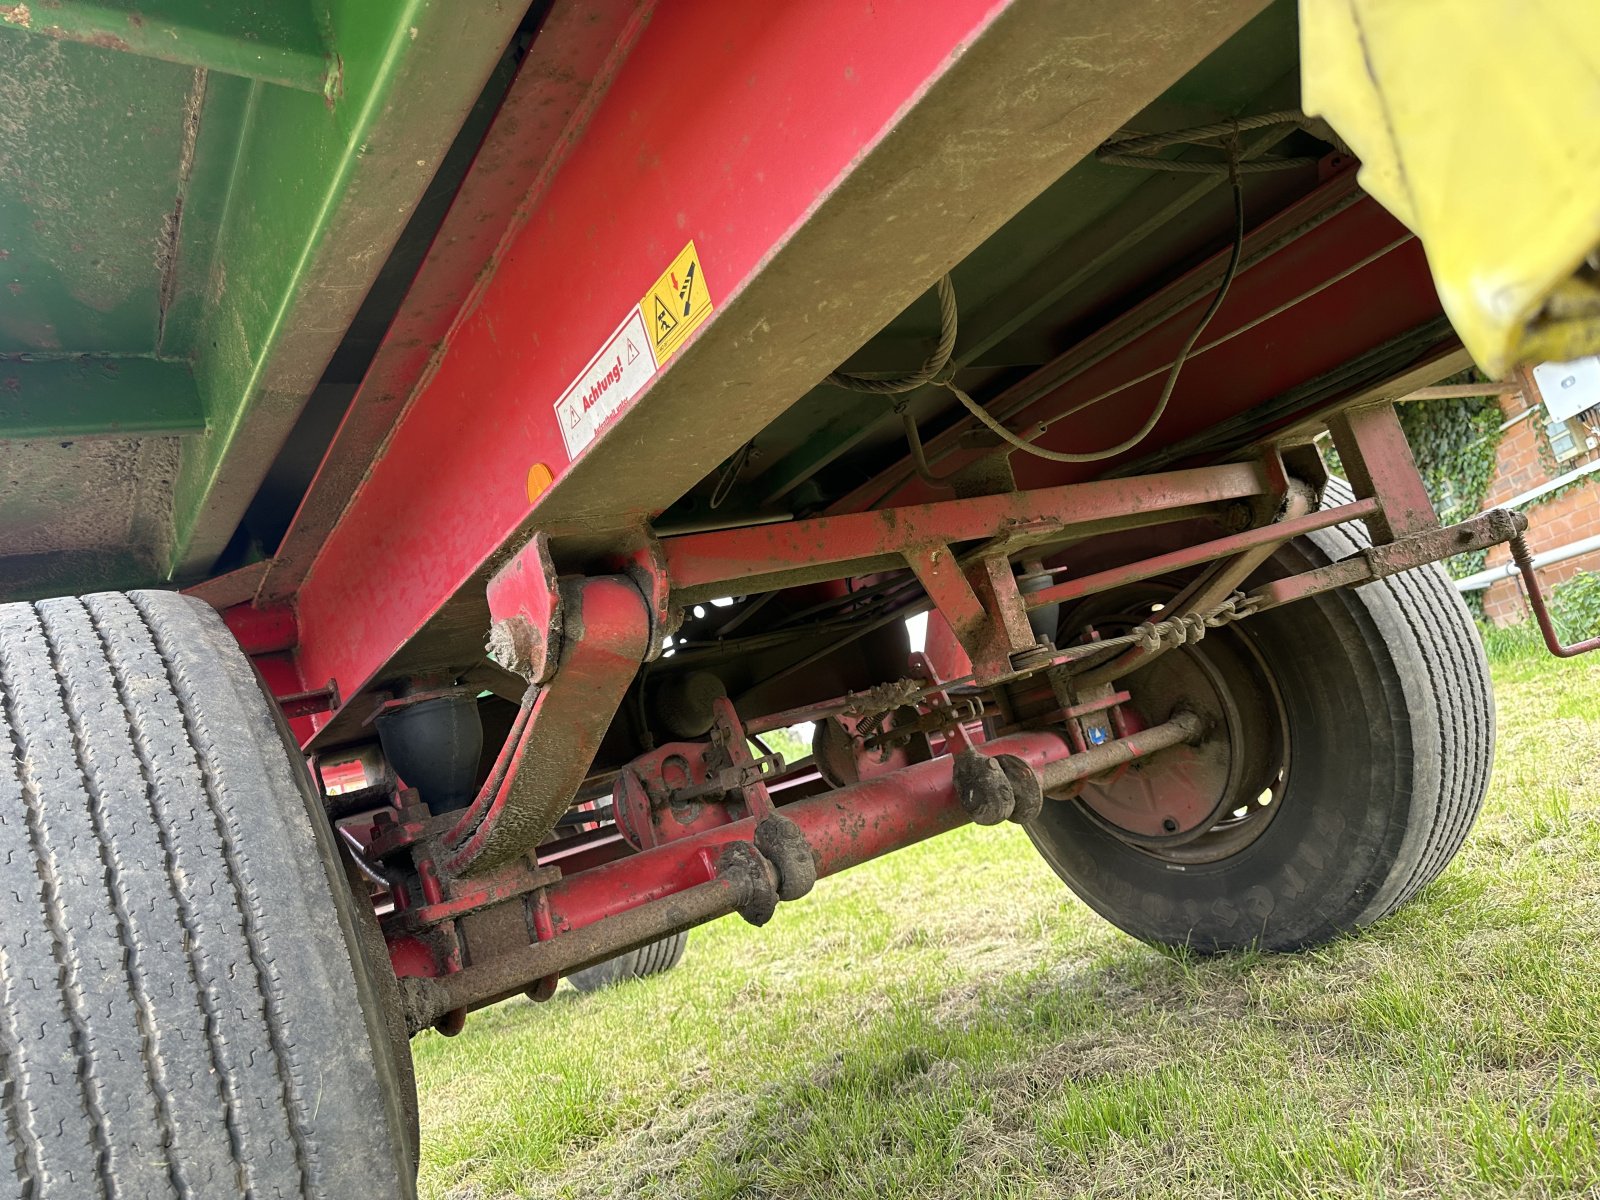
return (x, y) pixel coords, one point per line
(489, 925)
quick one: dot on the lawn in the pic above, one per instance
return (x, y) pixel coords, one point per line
(950, 1021)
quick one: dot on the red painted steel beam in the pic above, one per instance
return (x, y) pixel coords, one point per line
(1203, 552)
(702, 566)
(236, 587)
(828, 160)
(1378, 460)
(570, 66)
(262, 630)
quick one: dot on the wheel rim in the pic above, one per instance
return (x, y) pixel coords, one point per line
(1207, 802)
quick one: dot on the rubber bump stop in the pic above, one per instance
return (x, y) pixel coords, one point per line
(781, 841)
(742, 864)
(1027, 793)
(982, 788)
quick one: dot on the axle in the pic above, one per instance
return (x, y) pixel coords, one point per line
(1059, 776)
(607, 910)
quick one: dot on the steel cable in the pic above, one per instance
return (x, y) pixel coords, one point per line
(1140, 150)
(948, 329)
(1156, 413)
(937, 361)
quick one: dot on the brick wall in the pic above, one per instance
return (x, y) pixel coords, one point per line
(1572, 516)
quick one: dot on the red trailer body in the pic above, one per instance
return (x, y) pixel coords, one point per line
(555, 404)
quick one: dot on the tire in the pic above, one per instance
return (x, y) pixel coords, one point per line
(184, 1007)
(652, 959)
(1389, 716)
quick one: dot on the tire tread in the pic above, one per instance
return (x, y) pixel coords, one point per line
(246, 898)
(60, 961)
(641, 962)
(1450, 658)
(162, 883)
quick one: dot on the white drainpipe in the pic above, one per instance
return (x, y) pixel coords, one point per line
(1483, 579)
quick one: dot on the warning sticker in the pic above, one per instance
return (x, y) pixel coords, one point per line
(676, 304)
(674, 307)
(613, 377)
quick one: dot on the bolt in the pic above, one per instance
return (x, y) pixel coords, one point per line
(1238, 517)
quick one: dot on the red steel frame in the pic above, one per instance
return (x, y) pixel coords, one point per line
(569, 68)
(582, 676)
(700, 566)
(766, 134)
(775, 116)
(845, 828)
(842, 828)
(803, 149)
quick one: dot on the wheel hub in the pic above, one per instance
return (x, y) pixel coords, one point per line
(1200, 802)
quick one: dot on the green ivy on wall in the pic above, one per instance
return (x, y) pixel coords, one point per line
(1541, 444)
(1553, 468)
(1575, 607)
(1455, 443)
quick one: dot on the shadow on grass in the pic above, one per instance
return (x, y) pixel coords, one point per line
(1448, 1051)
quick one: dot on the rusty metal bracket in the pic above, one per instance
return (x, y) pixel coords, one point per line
(956, 737)
(683, 788)
(1377, 562)
(728, 736)
(982, 604)
(304, 704)
(558, 729)
(399, 828)
(525, 604)
(462, 898)
(646, 565)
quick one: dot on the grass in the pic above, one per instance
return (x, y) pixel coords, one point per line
(950, 1021)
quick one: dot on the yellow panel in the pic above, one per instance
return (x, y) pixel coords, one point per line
(1478, 124)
